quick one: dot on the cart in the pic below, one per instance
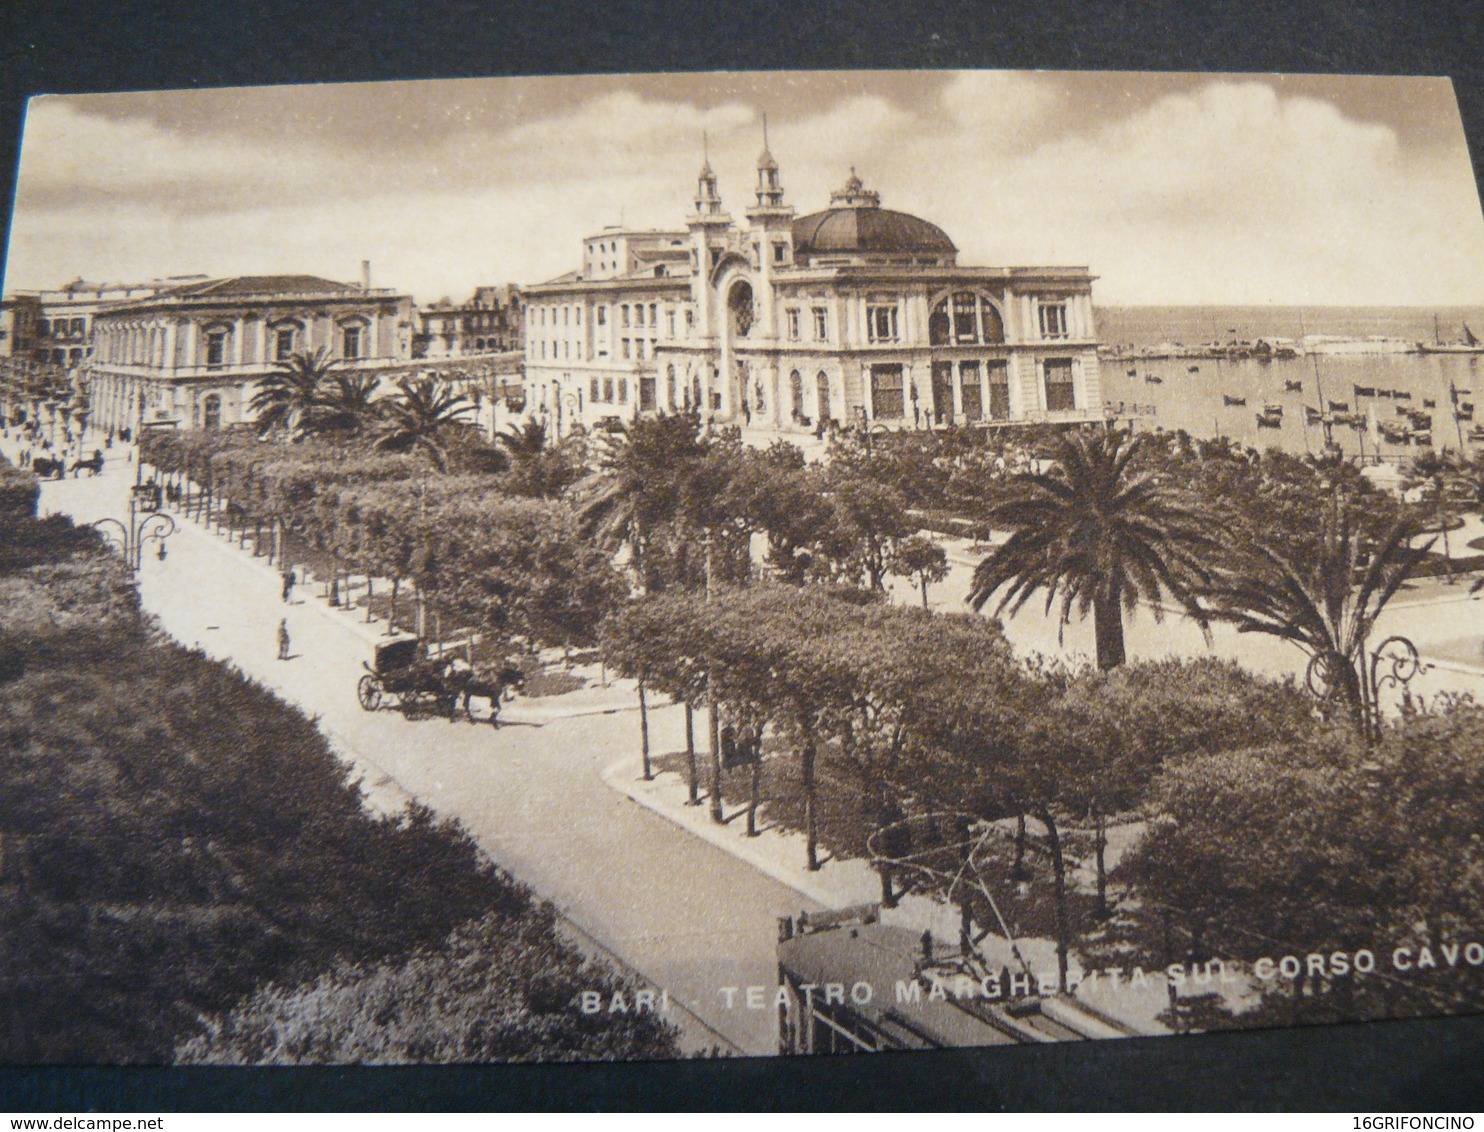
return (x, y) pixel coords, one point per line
(404, 677)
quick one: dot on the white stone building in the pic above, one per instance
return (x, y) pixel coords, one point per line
(853, 315)
(190, 356)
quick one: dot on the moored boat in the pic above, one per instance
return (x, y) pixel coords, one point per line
(1468, 344)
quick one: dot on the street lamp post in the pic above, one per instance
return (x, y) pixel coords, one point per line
(147, 524)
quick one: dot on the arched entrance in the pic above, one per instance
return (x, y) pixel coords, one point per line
(796, 396)
(822, 389)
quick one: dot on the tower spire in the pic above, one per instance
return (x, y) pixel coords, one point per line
(708, 199)
(769, 189)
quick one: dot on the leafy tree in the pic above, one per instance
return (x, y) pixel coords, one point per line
(1120, 728)
(1323, 846)
(1102, 530)
(870, 520)
(922, 559)
(1438, 475)
(174, 836)
(498, 989)
(19, 492)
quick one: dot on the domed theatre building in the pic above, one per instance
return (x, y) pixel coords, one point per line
(789, 325)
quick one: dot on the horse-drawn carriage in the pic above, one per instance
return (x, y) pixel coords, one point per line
(417, 684)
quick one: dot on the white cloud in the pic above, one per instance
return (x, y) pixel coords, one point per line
(1230, 194)
(1226, 193)
(68, 152)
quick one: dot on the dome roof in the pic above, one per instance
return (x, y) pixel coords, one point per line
(866, 229)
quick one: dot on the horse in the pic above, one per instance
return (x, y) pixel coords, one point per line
(47, 468)
(93, 464)
(506, 683)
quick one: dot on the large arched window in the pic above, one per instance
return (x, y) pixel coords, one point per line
(965, 318)
(740, 310)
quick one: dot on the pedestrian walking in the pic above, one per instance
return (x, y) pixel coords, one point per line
(283, 639)
(288, 584)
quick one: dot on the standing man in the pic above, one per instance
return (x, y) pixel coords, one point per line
(288, 583)
(283, 639)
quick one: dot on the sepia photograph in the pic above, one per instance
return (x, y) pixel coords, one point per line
(636, 567)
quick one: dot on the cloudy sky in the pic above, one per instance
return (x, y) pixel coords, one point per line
(1172, 188)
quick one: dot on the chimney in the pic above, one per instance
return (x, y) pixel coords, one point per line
(365, 275)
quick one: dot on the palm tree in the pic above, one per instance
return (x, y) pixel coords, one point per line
(1102, 529)
(639, 484)
(1327, 604)
(348, 401)
(423, 408)
(524, 443)
(293, 394)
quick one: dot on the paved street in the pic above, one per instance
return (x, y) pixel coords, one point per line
(683, 914)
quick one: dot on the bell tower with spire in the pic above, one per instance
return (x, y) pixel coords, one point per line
(709, 226)
(771, 235)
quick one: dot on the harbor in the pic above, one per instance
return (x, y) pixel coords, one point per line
(1379, 383)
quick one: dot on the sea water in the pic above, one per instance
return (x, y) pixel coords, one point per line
(1190, 392)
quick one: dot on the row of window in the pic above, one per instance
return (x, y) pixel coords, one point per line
(963, 318)
(58, 357)
(820, 320)
(603, 390)
(626, 314)
(62, 327)
(286, 341)
(629, 349)
(961, 387)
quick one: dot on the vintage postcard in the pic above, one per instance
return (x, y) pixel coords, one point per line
(645, 566)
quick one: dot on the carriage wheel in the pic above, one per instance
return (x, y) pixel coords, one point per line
(408, 704)
(368, 691)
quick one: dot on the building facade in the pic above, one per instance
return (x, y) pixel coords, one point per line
(855, 315)
(190, 356)
(492, 321)
(63, 326)
(20, 323)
